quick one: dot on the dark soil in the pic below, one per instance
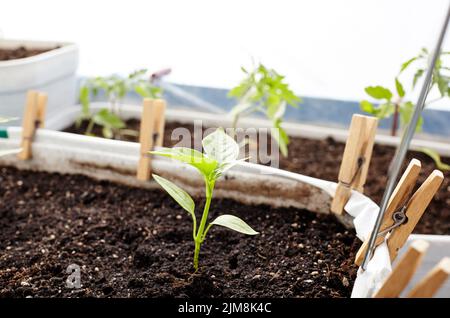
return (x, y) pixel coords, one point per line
(20, 52)
(131, 242)
(322, 158)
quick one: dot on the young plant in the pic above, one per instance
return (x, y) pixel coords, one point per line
(264, 90)
(403, 109)
(115, 89)
(390, 105)
(221, 153)
(441, 72)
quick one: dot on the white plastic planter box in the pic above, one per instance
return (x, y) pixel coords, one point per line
(66, 116)
(248, 183)
(52, 72)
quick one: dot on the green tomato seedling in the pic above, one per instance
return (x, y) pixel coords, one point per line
(398, 107)
(115, 89)
(390, 105)
(221, 153)
(264, 90)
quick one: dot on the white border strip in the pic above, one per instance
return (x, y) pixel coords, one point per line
(66, 116)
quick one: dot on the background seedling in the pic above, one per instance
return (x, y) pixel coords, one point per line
(264, 90)
(115, 89)
(396, 104)
(221, 153)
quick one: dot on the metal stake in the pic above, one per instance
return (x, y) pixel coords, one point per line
(402, 148)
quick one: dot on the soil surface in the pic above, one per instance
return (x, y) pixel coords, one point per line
(20, 52)
(131, 242)
(322, 158)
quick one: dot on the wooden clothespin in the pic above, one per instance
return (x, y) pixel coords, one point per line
(431, 283)
(403, 271)
(33, 117)
(404, 211)
(399, 198)
(355, 161)
(41, 109)
(414, 211)
(151, 133)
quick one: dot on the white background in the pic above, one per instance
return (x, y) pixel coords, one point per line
(326, 48)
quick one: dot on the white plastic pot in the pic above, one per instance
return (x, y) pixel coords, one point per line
(248, 183)
(66, 116)
(52, 72)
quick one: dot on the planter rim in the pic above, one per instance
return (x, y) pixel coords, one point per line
(63, 48)
(65, 116)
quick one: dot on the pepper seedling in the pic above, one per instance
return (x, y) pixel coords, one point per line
(264, 90)
(115, 89)
(221, 153)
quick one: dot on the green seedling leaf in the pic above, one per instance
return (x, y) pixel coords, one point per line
(234, 223)
(379, 92)
(281, 137)
(399, 87)
(145, 89)
(108, 119)
(242, 89)
(276, 111)
(367, 107)
(385, 110)
(442, 85)
(220, 147)
(222, 168)
(205, 165)
(407, 63)
(178, 194)
(107, 132)
(142, 91)
(436, 158)
(84, 100)
(417, 76)
(137, 73)
(406, 112)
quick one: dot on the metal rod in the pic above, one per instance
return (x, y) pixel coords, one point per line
(402, 148)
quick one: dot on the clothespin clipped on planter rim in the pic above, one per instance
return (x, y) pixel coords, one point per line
(355, 161)
(432, 281)
(404, 211)
(405, 269)
(33, 117)
(151, 134)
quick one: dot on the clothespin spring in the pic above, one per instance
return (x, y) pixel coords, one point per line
(360, 163)
(399, 218)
